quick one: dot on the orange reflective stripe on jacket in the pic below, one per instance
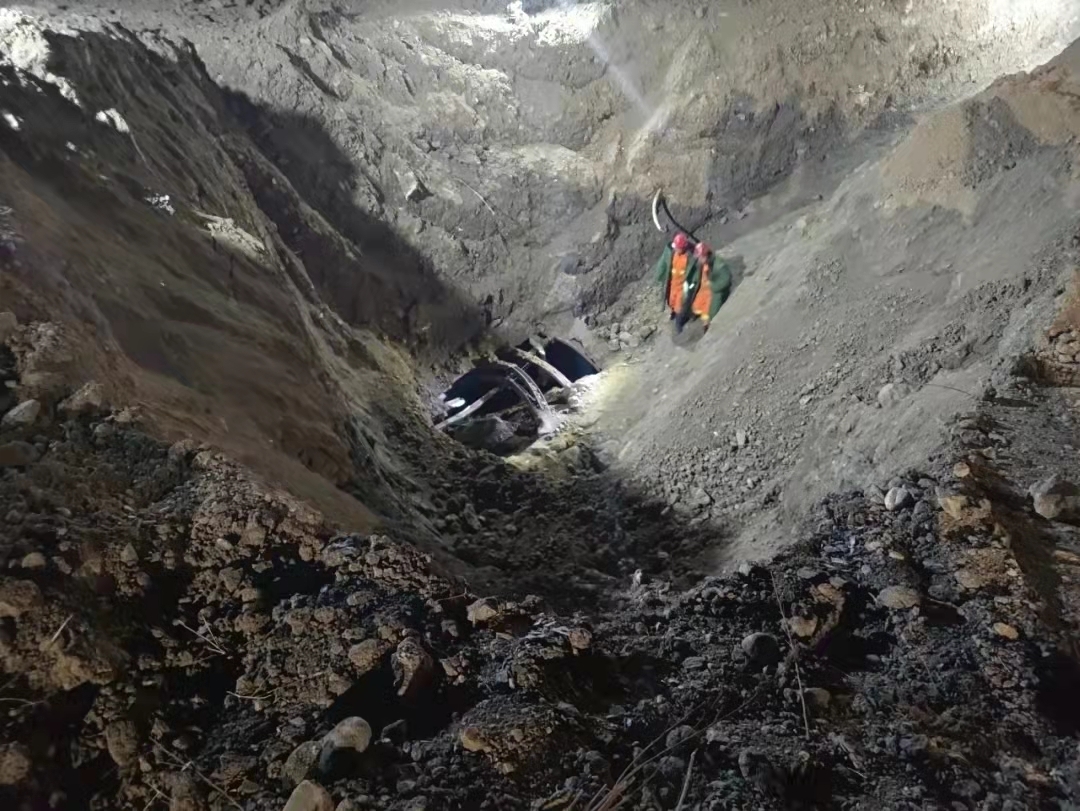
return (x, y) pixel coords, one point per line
(678, 277)
(703, 299)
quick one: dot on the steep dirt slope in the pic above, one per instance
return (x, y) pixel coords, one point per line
(174, 255)
(517, 151)
(864, 321)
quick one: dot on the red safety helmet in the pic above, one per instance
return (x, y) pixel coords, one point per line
(681, 242)
(701, 250)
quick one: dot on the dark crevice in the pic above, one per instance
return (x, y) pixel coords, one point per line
(1059, 686)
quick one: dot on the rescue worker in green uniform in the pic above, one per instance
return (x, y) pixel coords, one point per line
(672, 271)
(708, 285)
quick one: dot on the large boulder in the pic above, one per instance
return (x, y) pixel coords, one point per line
(1056, 499)
(23, 415)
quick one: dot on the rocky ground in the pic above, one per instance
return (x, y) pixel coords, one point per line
(177, 635)
(239, 569)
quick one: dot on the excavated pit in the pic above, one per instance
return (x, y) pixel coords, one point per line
(798, 561)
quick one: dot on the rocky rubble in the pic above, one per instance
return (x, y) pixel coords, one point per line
(1059, 355)
(199, 641)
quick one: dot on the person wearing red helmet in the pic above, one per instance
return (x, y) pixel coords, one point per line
(672, 270)
(708, 284)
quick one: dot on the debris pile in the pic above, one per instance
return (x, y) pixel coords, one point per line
(195, 640)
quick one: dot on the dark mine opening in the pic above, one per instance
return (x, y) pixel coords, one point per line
(568, 360)
(506, 401)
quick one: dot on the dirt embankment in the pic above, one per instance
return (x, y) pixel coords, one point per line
(176, 259)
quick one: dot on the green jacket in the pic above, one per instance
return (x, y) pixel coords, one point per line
(662, 271)
(719, 283)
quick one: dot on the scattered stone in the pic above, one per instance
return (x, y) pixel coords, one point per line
(34, 560)
(970, 579)
(1056, 499)
(899, 598)
(874, 494)
(892, 393)
(301, 761)
(954, 505)
(341, 748)
(961, 470)
(186, 794)
(481, 611)
(1005, 630)
(122, 741)
(253, 535)
(18, 597)
(580, 639)
(671, 767)
(412, 187)
(309, 796)
(698, 498)
(761, 649)
(90, 399)
(129, 555)
(365, 656)
(23, 415)
(741, 438)
(969, 789)
(414, 668)
(678, 736)
(18, 454)
(898, 498)
(351, 733)
(396, 731)
(756, 768)
(15, 763)
(803, 627)
(473, 740)
(818, 699)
